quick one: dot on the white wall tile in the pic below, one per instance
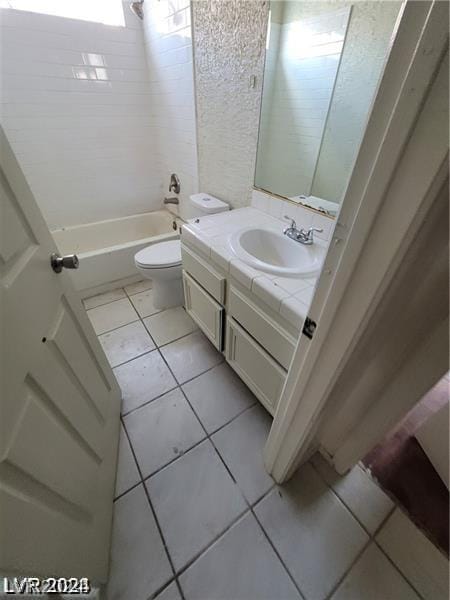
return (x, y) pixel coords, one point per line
(76, 108)
(168, 43)
(91, 113)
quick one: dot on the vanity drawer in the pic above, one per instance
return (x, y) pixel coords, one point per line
(254, 366)
(267, 332)
(204, 310)
(208, 277)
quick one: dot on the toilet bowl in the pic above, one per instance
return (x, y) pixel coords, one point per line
(162, 262)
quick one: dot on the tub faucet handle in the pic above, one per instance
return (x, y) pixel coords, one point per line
(174, 185)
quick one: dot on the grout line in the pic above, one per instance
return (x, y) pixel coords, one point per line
(204, 439)
(115, 328)
(250, 506)
(341, 500)
(103, 303)
(203, 372)
(136, 293)
(146, 402)
(372, 537)
(370, 541)
(204, 550)
(347, 571)
(122, 494)
(241, 516)
(125, 362)
(171, 341)
(151, 504)
(266, 535)
(161, 589)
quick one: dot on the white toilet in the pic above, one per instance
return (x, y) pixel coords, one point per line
(162, 262)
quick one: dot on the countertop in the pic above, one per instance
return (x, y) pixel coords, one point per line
(210, 235)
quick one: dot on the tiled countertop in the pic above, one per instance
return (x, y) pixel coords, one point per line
(210, 236)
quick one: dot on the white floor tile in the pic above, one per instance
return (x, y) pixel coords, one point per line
(143, 379)
(316, 536)
(218, 396)
(104, 298)
(360, 494)
(139, 286)
(125, 343)
(416, 557)
(169, 325)
(110, 316)
(191, 356)
(374, 578)
(127, 473)
(139, 564)
(195, 499)
(240, 565)
(169, 593)
(143, 303)
(241, 444)
(162, 430)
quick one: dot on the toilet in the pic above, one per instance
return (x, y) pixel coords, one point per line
(162, 262)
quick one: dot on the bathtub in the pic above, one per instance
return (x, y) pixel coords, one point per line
(106, 249)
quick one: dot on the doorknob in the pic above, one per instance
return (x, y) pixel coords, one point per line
(70, 261)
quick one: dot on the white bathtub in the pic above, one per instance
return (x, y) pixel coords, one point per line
(106, 249)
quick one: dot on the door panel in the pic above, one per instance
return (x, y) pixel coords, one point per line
(59, 405)
(252, 363)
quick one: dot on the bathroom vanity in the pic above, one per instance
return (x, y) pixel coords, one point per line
(252, 316)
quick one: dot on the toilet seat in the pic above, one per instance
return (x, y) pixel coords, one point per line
(159, 256)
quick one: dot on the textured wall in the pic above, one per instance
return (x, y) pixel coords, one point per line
(76, 107)
(229, 45)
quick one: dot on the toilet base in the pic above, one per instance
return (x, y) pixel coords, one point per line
(167, 294)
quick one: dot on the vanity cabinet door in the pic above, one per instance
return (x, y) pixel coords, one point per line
(254, 366)
(204, 310)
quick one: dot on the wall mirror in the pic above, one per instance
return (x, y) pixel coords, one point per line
(323, 63)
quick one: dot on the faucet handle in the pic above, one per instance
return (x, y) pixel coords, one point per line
(310, 233)
(293, 223)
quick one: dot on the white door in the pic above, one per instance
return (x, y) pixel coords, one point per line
(59, 405)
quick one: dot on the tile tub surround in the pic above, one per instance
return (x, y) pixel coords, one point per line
(78, 111)
(349, 542)
(289, 297)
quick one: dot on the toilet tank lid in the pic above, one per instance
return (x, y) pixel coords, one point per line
(208, 203)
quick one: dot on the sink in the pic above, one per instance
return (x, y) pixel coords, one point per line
(273, 252)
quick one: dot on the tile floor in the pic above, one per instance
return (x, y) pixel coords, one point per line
(197, 516)
(402, 468)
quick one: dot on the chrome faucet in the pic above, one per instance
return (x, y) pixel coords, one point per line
(173, 200)
(174, 185)
(300, 235)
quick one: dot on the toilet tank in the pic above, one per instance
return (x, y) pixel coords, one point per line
(201, 205)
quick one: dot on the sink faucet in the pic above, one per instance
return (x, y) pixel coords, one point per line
(300, 235)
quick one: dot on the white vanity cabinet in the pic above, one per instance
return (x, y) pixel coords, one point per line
(256, 344)
(254, 365)
(204, 310)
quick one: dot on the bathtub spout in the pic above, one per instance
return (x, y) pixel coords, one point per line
(173, 200)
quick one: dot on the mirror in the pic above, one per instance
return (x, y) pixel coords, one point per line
(323, 64)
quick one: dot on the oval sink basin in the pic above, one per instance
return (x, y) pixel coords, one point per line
(274, 253)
